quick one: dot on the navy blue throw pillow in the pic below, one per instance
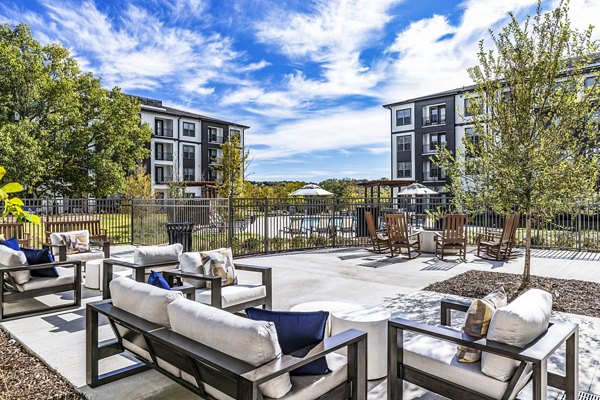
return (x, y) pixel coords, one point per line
(11, 243)
(156, 279)
(298, 333)
(43, 256)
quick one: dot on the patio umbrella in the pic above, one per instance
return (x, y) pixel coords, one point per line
(416, 189)
(311, 190)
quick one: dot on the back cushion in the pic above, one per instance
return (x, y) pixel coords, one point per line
(516, 324)
(14, 258)
(192, 262)
(157, 254)
(254, 342)
(145, 301)
(76, 241)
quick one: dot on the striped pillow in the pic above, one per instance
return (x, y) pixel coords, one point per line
(478, 320)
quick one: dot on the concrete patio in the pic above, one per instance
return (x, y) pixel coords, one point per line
(351, 275)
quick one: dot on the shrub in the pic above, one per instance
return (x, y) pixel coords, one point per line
(565, 240)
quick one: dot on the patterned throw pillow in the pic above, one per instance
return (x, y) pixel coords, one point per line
(478, 320)
(76, 242)
(219, 263)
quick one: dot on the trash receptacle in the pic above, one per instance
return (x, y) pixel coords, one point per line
(181, 232)
(361, 223)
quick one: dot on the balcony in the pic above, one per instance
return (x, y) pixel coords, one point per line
(434, 121)
(432, 148)
(163, 156)
(164, 132)
(161, 180)
(215, 138)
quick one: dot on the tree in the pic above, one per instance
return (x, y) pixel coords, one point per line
(61, 132)
(232, 166)
(533, 122)
(138, 185)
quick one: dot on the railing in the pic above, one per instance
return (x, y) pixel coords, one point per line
(164, 156)
(268, 225)
(163, 179)
(434, 121)
(164, 132)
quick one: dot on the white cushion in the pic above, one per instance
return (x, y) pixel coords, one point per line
(307, 387)
(254, 342)
(56, 237)
(14, 258)
(65, 277)
(146, 301)
(86, 256)
(438, 357)
(516, 324)
(157, 254)
(192, 262)
(233, 294)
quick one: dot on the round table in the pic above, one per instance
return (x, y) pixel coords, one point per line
(372, 320)
(329, 306)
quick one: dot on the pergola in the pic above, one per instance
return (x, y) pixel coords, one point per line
(378, 183)
(209, 188)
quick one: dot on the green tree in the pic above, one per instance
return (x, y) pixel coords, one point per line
(61, 132)
(232, 165)
(533, 121)
(138, 185)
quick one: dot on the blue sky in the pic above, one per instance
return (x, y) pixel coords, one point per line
(308, 76)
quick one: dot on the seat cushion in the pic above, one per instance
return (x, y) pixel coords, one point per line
(145, 301)
(233, 295)
(254, 342)
(157, 254)
(438, 357)
(14, 258)
(65, 277)
(516, 324)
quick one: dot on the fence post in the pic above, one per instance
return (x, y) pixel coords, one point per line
(333, 226)
(229, 221)
(579, 230)
(131, 222)
(266, 227)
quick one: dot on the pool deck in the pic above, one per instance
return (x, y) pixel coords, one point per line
(351, 275)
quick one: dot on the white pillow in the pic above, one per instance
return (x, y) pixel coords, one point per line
(516, 324)
(14, 258)
(254, 342)
(157, 254)
(141, 299)
(192, 262)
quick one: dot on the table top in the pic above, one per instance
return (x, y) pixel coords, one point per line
(363, 314)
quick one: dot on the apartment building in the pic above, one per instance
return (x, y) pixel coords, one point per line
(185, 147)
(422, 125)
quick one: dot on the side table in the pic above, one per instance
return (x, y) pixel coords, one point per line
(329, 306)
(372, 320)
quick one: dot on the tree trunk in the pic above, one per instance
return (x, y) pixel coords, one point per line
(527, 268)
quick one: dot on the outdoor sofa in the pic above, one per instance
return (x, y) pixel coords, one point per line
(213, 353)
(519, 342)
(77, 240)
(18, 284)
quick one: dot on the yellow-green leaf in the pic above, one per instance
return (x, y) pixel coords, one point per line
(12, 187)
(16, 201)
(2, 172)
(33, 218)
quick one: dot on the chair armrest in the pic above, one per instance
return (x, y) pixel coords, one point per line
(538, 350)
(288, 363)
(252, 268)
(190, 275)
(64, 264)
(446, 307)
(58, 246)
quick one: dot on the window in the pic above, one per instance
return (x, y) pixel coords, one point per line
(403, 117)
(163, 127)
(437, 115)
(188, 152)
(589, 82)
(212, 175)
(474, 139)
(188, 174)
(404, 169)
(215, 135)
(404, 143)
(163, 152)
(189, 129)
(235, 133)
(432, 172)
(159, 174)
(213, 156)
(468, 104)
(436, 142)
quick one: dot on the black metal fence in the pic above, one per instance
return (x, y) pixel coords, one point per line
(267, 225)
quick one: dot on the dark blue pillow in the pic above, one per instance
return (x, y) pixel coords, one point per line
(43, 256)
(156, 279)
(298, 333)
(11, 243)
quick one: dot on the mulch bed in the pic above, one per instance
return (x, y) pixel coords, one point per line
(24, 376)
(571, 296)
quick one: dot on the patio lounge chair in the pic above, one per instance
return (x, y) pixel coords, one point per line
(296, 227)
(324, 226)
(379, 238)
(453, 236)
(346, 225)
(428, 359)
(498, 245)
(398, 236)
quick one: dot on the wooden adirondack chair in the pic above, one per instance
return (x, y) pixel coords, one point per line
(379, 238)
(498, 245)
(453, 236)
(398, 236)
